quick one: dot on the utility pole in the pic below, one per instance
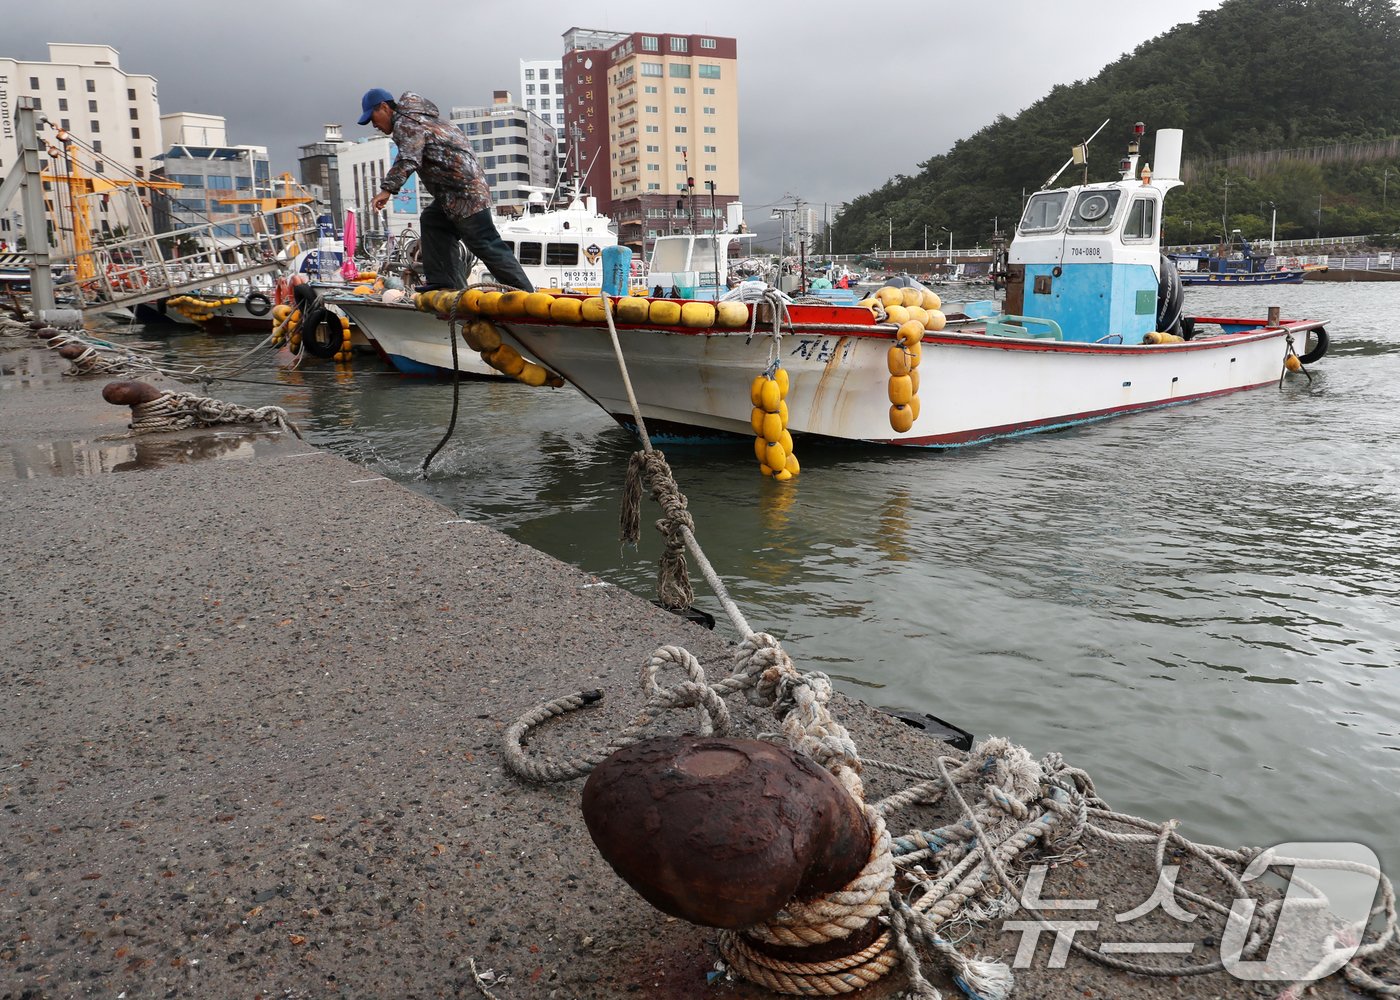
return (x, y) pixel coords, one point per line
(891, 233)
(1273, 223)
(1225, 212)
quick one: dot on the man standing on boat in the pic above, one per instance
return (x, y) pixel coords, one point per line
(461, 210)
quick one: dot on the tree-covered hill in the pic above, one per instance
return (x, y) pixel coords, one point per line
(1251, 75)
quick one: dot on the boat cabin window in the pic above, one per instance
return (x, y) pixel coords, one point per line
(529, 253)
(1094, 210)
(1044, 212)
(562, 254)
(1142, 220)
(670, 255)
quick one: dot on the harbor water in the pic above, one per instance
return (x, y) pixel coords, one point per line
(1199, 604)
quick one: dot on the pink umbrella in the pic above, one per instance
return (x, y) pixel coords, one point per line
(348, 269)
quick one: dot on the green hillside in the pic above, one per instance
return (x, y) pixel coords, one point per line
(1252, 75)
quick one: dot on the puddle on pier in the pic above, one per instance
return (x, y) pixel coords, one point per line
(96, 457)
(32, 368)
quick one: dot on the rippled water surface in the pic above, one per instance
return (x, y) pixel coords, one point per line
(1199, 604)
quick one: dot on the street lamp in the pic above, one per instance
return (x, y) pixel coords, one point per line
(925, 238)
(950, 244)
(1273, 222)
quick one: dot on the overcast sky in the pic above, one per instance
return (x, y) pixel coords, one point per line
(834, 98)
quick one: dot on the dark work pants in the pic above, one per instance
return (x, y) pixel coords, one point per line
(445, 264)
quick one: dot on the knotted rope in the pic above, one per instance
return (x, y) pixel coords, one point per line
(181, 410)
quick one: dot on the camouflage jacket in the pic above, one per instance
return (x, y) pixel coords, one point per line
(441, 156)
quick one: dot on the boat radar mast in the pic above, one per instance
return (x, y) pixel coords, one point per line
(1079, 156)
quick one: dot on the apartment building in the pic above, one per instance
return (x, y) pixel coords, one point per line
(217, 180)
(667, 108)
(112, 116)
(517, 149)
(319, 169)
(542, 91)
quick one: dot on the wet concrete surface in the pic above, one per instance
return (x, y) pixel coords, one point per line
(254, 703)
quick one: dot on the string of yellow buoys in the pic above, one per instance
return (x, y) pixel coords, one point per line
(773, 445)
(913, 311)
(480, 307)
(198, 308)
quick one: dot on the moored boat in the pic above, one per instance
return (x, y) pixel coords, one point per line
(1234, 262)
(1091, 328)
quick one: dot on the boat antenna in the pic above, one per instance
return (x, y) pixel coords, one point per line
(1080, 155)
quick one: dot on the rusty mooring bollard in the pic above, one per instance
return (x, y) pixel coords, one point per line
(723, 832)
(128, 393)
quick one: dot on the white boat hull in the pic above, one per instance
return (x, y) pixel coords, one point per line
(415, 343)
(973, 387)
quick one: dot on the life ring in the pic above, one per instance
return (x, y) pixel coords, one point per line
(257, 304)
(321, 333)
(1319, 349)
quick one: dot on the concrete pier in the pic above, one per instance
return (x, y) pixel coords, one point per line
(250, 746)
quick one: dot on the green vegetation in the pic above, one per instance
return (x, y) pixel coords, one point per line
(1253, 75)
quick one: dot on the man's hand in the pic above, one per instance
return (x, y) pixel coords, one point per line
(380, 200)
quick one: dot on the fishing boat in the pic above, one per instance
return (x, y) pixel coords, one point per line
(559, 249)
(1234, 262)
(1091, 328)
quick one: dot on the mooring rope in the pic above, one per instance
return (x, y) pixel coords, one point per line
(182, 410)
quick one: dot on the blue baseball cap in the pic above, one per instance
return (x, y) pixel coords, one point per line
(371, 100)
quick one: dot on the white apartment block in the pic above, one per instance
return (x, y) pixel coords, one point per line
(542, 87)
(517, 150)
(82, 88)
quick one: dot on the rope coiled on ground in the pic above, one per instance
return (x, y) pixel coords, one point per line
(181, 410)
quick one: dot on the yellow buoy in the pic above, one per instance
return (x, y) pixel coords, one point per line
(1292, 363)
(914, 406)
(756, 419)
(898, 315)
(513, 303)
(489, 304)
(631, 309)
(565, 309)
(898, 361)
(533, 374)
(775, 457)
(772, 427)
(890, 296)
(936, 320)
(916, 354)
(918, 314)
(780, 375)
(700, 315)
(792, 465)
(783, 411)
(506, 359)
(770, 395)
(914, 380)
(481, 335)
(912, 296)
(870, 303)
(785, 439)
(783, 476)
(901, 418)
(537, 305)
(910, 333)
(760, 448)
(731, 314)
(471, 300)
(930, 300)
(901, 390)
(664, 312)
(592, 310)
(756, 390)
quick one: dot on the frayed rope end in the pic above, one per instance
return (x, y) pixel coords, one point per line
(984, 980)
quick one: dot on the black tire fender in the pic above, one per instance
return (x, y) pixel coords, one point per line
(257, 304)
(321, 333)
(1319, 349)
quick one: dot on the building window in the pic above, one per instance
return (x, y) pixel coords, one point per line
(680, 70)
(652, 69)
(135, 150)
(136, 133)
(529, 88)
(709, 149)
(709, 130)
(709, 111)
(707, 43)
(710, 168)
(678, 109)
(96, 126)
(529, 74)
(653, 149)
(63, 104)
(650, 44)
(92, 107)
(680, 128)
(652, 109)
(708, 72)
(558, 72)
(650, 89)
(653, 187)
(530, 103)
(559, 103)
(38, 104)
(63, 123)
(92, 86)
(131, 94)
(653, 128)
(678, 90)
(99, 167)
(680, 44)
(653, 166)
(61, 84)
(544, 88)
(130, 112)
(97, 146)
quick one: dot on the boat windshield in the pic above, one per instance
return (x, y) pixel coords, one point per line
(1094, 210)
(1044, 212)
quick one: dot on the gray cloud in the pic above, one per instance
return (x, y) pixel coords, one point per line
(836, 98)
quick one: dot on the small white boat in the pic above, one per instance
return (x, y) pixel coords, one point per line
(1089, 297)
(558, 249)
